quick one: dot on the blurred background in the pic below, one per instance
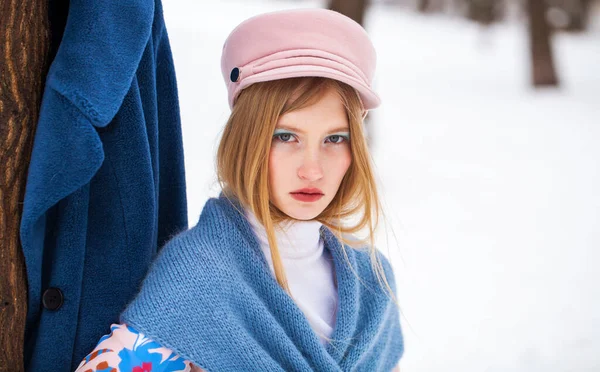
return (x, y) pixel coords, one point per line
(487, 148)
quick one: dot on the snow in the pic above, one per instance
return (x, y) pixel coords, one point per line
(491, 188)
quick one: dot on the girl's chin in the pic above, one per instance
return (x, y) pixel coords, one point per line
(303, 211)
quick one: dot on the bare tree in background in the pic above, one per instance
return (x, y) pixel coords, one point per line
(542, 62)
(354, 9)
(423, 6)
(569, 15)
(580, 15)
(481, 11)
(23, 67)
(431, 6)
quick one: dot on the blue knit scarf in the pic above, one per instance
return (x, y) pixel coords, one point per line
(211, 298)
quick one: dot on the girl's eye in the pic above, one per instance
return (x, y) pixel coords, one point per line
(284, 137)
(336, 138)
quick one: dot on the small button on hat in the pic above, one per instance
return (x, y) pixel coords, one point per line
(235, 75)
(297, 43)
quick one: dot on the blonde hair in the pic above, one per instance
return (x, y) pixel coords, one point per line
(243, 155)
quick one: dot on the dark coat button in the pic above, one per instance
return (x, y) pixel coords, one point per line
(235, 75)
(52, 298)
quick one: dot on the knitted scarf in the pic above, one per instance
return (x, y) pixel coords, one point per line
(210, 297)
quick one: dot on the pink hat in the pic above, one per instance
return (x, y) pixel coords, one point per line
(296, 43)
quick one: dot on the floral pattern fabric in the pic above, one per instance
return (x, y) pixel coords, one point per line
(127, 350)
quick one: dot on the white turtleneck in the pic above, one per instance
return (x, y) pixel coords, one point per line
(308, 268)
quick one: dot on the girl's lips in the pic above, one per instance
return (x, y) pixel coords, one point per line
(308, 191)
(306, 197)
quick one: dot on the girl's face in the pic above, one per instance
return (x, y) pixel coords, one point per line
(309, 157)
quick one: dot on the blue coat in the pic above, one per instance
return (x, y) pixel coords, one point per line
(106, 183)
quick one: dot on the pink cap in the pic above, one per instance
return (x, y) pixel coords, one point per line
(296, 43)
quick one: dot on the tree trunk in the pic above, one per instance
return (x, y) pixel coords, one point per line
(542, 63)
(23, 66)
(354, 9)
(579, 13)
(481, 11)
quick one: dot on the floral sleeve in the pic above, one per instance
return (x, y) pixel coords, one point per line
(127, 350)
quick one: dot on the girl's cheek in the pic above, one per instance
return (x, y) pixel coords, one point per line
(342, 160)
(283, 147)
(285, 156)
(337, 148)
(339, 151)
(339, 159)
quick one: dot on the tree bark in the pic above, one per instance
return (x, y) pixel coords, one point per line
(24, 50)
(481, 11)
(354, 9)
(542, 63)
(579, 13)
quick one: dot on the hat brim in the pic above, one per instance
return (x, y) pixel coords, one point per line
(369, 98)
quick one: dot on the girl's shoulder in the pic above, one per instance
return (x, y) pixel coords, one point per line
(369, 260)
(203, 240)
(126, 349)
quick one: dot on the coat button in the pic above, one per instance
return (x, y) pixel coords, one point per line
(235, 75)
(52, 298)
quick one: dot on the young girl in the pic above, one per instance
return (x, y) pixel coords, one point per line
(269, 279)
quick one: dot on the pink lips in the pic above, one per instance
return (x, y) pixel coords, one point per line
(307, 195)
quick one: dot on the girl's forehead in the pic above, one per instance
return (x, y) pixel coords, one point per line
(311, 128)
(304, 122)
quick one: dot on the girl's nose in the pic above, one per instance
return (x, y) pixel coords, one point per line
(311, 169)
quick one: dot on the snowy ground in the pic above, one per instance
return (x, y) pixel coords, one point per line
(491, 189)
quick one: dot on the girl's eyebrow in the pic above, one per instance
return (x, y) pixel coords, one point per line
(300, 131)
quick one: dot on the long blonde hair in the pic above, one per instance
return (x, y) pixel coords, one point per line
(243, 156)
